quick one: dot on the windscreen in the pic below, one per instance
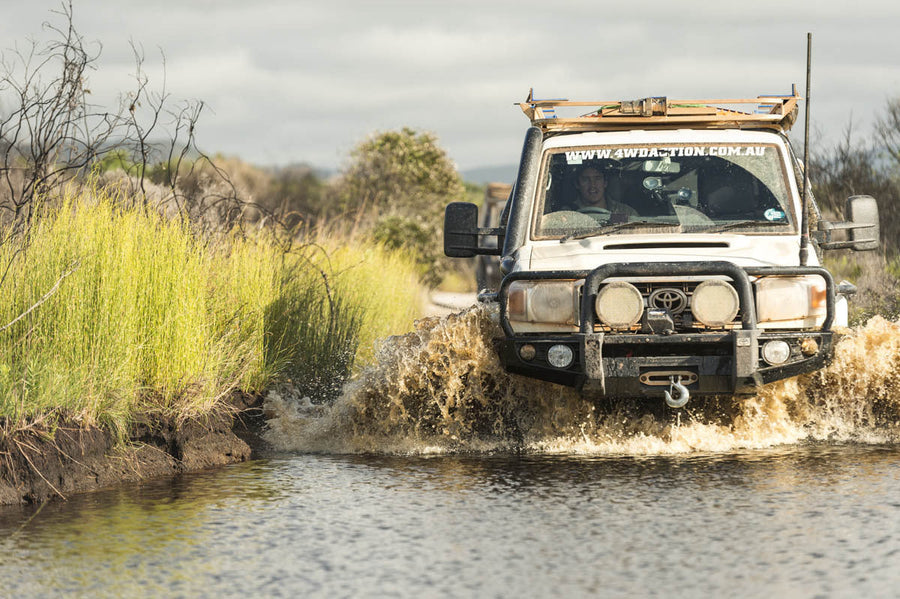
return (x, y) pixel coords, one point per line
(664, 189)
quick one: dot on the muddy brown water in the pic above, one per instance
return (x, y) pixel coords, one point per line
(436, 475)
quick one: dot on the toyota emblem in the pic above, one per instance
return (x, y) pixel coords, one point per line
(670, 299)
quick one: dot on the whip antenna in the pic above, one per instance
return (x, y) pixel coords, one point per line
(804, 226)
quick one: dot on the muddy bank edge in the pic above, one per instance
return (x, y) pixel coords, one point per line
(35, 468)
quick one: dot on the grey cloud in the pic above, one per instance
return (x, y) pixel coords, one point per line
(289, 81)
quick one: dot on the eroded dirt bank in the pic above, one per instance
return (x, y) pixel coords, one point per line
(35, 468)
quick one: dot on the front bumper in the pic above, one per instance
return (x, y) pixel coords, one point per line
(640, 365)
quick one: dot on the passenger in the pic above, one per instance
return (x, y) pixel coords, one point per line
(732, 202)
(591, 186)
(722, 200)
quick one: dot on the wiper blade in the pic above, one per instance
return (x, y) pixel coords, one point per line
(654, 224)
(743, 224)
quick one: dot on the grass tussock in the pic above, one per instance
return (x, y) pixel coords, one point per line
(877, 278)
(134, 314)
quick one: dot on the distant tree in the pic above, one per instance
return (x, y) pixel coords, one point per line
(397, 185)
(298, 195)
(400, 172)
(856, 168)
(887, 126)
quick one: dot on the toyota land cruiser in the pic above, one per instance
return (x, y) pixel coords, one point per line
(661, 248)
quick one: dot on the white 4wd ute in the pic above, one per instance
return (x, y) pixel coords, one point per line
(660, 248)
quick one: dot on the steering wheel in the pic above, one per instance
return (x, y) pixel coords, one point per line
(594, 210)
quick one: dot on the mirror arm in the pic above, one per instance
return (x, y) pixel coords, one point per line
(499, 232)
(824, 235)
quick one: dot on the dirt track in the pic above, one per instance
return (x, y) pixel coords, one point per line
(442, 303)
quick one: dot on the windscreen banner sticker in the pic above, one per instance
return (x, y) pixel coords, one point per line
(579, 156)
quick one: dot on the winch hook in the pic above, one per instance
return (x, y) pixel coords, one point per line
(677, 395)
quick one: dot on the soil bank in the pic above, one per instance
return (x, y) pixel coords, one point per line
(36, 468)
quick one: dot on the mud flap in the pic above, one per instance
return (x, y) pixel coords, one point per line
(592, 350)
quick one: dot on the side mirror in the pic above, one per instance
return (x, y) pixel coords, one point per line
(862, 211)
(861, 227)
(463, 238)
(460, 230)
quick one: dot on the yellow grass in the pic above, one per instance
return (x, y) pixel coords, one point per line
(136, 314)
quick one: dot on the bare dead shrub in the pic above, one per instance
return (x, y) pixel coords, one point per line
(855, 168)
(51, 135)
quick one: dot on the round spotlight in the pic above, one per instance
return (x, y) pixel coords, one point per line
(776, 352)
(619, 305)
(715, 303)
(527, 352)
(560, 356)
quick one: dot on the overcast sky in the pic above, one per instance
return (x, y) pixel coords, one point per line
(300, 81)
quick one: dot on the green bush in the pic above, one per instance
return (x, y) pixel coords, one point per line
(396, 188)
(415, 236)
(400, 172)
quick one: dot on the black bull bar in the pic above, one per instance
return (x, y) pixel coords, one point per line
(740, 279)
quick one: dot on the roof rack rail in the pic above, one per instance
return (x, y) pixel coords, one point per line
(770, 112)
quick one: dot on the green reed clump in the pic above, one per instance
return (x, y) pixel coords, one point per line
(135, 314)
(385, 283)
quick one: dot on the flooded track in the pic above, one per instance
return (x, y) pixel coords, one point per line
(436, 474)
(813, 520)
(441, 389)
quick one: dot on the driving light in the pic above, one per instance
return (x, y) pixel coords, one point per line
(776, 352)
(780, 299)
(715, 303)
(560, 356)
(619, 305)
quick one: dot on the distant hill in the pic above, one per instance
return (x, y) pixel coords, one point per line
(505, 173)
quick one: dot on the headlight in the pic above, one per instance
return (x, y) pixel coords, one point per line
(790, 298)
(542, 301)
(619, 305)
(715, 303)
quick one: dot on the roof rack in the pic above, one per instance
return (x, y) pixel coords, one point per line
(770, 112)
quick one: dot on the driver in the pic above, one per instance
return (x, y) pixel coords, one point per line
(591, 186)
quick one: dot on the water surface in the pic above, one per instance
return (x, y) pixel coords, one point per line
(436, 474)
(803, 521)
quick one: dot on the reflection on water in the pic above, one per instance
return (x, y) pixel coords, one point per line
(799, 521)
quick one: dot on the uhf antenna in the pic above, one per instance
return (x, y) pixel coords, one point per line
(804, 226)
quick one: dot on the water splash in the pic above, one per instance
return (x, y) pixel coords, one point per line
(442, 389)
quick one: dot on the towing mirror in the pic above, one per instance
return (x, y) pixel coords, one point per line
(862, 211)
(460, 230)
(860, 230)
(462, 234)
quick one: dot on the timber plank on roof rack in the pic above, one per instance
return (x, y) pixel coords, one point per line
(768, 112)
